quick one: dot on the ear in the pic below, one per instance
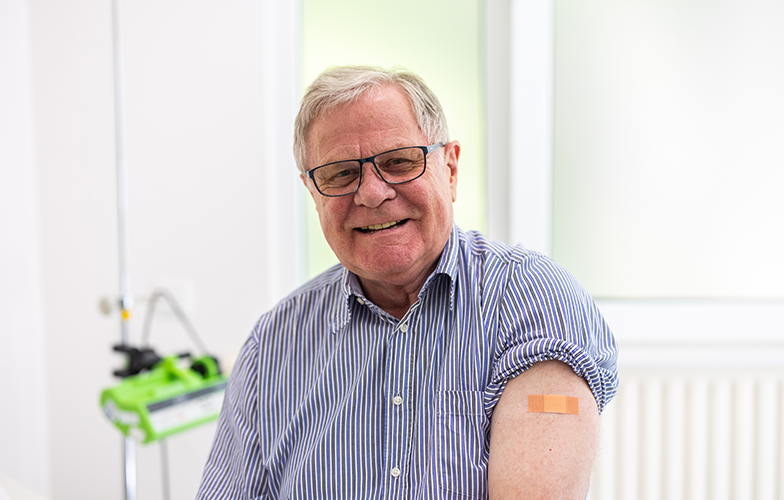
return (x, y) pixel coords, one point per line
(452, 155)
(309, 185)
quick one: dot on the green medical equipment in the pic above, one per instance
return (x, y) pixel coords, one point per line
(169, 398)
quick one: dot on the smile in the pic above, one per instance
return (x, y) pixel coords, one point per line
(378, 227)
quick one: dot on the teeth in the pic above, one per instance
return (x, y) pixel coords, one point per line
(378, 227)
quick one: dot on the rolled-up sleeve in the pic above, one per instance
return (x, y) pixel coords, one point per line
(544, 314)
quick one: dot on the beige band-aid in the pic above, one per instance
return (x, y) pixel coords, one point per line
(549, 403)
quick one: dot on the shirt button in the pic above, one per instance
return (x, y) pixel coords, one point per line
(396, 472)
(404, 327)
(359, 299)
(397, 400)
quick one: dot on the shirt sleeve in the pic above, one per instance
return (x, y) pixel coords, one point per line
(545, 314)
(232, 469)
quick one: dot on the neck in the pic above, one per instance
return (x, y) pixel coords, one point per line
(395, 300)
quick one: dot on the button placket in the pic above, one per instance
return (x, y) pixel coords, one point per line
(398, 436)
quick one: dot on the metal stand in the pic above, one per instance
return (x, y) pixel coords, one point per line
(130, 468)
(126, 299)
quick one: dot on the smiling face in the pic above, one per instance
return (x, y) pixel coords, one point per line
(390, 236)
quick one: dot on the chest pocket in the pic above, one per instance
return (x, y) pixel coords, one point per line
(462, 444)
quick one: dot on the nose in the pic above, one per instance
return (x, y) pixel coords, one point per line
(373, 190)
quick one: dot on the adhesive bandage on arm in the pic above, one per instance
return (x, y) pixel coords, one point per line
(550, 403)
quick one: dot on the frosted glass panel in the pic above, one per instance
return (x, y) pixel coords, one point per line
(439, 40)
(669, 147)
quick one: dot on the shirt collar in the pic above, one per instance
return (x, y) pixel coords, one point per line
(447, 266)
(351, 288)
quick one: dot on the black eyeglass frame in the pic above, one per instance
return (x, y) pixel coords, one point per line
(372, 159)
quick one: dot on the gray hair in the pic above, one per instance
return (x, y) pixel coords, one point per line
(345, 84)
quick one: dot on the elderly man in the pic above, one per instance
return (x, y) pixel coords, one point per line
(431, 362)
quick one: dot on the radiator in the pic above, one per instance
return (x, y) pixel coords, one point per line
(693, 435)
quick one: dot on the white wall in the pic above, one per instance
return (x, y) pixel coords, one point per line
(210, 88)
(23, 432)
(668, 161)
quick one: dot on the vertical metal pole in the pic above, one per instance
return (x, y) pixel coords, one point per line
(165, 470)
(126, 299)
(129, 457)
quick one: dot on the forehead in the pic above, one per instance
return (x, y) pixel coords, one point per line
(378, 120)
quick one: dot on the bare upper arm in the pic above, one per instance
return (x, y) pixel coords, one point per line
(542, 455)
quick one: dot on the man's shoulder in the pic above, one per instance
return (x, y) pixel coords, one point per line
(475, 244)
(317, 303)
(502, 264)
(328, 282)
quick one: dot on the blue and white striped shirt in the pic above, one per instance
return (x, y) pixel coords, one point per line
(331, 397)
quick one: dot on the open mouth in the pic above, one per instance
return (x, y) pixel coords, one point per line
(380, 227)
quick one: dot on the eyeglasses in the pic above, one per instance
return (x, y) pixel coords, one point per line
(397, 166)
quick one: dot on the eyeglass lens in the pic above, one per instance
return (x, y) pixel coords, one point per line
(396, 167)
